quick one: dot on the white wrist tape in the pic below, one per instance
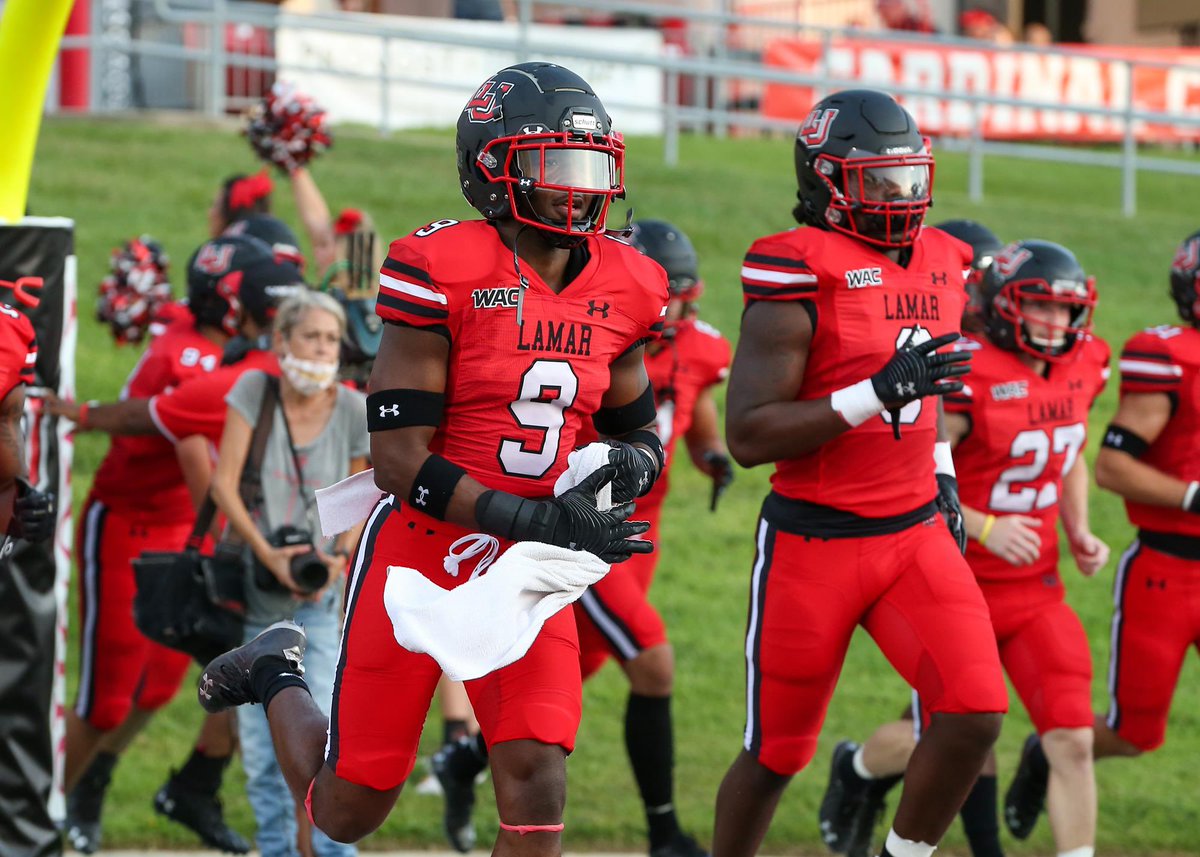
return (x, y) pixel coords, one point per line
(943, 460)
(1190, 495)
(856, 403)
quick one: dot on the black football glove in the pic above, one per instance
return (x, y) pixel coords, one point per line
(635, 472)
(33, 515)
(951, 509)
(570, 520)
(721, 468)
(918, 371)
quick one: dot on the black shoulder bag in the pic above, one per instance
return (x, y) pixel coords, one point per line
(195, 603)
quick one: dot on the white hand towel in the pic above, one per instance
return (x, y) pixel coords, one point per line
(346, 503)
(582, 463)
(491, 620)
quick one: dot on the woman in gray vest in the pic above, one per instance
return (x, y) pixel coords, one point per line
(318, 436)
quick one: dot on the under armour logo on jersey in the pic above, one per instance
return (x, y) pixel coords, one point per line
(389, 411)
(601, 308)
(422, 495)
(938, 279)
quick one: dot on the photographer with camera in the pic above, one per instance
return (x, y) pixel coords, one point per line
(318, 437)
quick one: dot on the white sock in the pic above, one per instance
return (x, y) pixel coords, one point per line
(1081, 851)
(860, 768)
(898, 846)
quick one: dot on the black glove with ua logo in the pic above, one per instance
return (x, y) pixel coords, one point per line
(33, 516)
(917, 371)
(570, 520)
(950, 507)
(636, 472)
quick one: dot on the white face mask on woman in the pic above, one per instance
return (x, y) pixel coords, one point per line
(309, 377)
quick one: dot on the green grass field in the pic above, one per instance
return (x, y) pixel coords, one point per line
(121, 177)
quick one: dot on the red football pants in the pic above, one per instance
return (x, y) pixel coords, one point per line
(118, 666)
(1156, 618)
(912, 591)
(615, 616)
(382, 691)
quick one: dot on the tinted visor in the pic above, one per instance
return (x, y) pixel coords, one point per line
(564, 167)
(908, 183)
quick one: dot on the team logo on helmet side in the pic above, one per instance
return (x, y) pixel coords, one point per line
(214, 258)
(1187, 257)
(1010, 260)
(485, 105)
(815, 129)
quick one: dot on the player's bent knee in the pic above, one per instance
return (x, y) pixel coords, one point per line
(344, 811)
(530, 780)
(652, 672)
(1068, 748)
(977, 730)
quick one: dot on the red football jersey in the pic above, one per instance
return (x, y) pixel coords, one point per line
(1027, 430)
(686, 365)
(866, 306)
(516, 396)
(18, 349)
(140, 472)
(1167, 360)
(198, 407)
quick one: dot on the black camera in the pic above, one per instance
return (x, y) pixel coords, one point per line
(307, 571)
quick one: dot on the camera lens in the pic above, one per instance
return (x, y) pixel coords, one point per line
(308, 572)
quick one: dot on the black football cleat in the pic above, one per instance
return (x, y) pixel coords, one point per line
(201, 813)
(1026, 795)
(455, 766)
(870, 812)
(225, 682)
(681, 846)
(840, 803)
(86, 802)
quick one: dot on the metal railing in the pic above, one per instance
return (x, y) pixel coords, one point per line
(719, 62)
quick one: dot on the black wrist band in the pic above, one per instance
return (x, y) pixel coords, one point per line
(651, 440)
(515, 518)
(434, 485)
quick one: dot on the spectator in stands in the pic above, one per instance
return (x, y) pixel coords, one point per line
(981, 24)
(1038, 34)
(899, 15)
(318, 437)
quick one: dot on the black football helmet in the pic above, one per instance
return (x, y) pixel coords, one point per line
(274, 232)
(236, 272)
(1037, 271)
(672, 249)
(1185, 279)
(863, 169)
(538, 126)
(983, 241)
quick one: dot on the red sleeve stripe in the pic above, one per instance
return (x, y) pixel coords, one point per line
(411, 272)
(1162, 371)
(411, 290)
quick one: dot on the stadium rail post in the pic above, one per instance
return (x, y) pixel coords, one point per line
(975, 155)
(216, 62)
(1129, 150)
(385, 94)
(671, 119)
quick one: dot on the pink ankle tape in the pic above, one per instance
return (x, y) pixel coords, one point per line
(308, 803)
(531, 828)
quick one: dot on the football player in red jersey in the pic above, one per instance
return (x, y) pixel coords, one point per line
(1017, 429)
(1150, 456)
(615, 617)
(139, 502)
(838, 381)
(503, 335)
